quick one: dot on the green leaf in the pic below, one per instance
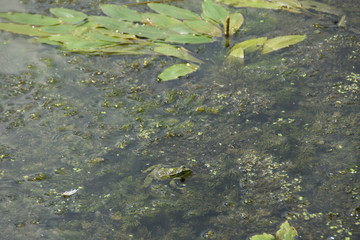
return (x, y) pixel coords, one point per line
(30, 19)
(277, 43)
(121, 12)
(177, 70)
(214, 11)
(250, 45)
(236, 21)
(137, 49)
(286, 232)
(237, 54)
(179, 52)
(172, 11)
(58, 29)
(263, 236)
(77, 44)
(111, 24)
(109, 36)
(159, 20)
(191, 39)
(146, 31)
(22, 29)
(69, 15)
(204, 27)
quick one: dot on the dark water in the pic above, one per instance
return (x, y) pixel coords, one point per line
(276, 139)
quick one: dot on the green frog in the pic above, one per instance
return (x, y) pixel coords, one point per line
(162, 172)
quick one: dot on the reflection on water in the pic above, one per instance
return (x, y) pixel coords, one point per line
(272, 140)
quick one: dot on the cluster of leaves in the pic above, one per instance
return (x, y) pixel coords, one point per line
(286, 232)
(126, 31)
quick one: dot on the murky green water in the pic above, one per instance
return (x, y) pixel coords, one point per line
(274, 140)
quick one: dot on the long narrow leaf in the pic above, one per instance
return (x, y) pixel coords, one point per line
(31, 19)
(22, 29)
(121, 12)
(172, 11)
(204, 27)
(277, 43)
(179, 52)
(214, 11)
(69, 15)
(191, 39)
(250, 45)
(177, 70)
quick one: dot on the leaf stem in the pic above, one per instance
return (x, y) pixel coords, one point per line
(227, 31)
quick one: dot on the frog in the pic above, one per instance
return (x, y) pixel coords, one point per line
(161, 172)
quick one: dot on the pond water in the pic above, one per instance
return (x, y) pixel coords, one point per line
(273, 140)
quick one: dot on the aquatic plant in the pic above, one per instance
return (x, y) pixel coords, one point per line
(286, 232)
(125, 31)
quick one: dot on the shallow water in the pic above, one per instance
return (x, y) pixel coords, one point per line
(273, 140)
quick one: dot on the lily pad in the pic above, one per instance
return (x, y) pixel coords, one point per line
(177, 70)
(277, 43)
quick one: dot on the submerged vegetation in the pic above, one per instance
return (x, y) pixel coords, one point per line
(263, 144)
(127, 31)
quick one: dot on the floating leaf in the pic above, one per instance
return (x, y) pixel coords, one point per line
(204, 27)
(179, 52)
(192, 39)
(214, 11)
(22, 29)
(286, 232)
(172, 11)
(182, 29)
(112, 24)
(250, 45)
(236, 21)
(237, 54)
(69, 15)
(281, 42)
(77, 44)
(146, 31)
(263, 236)
(58, 29)
(121, 12)
(31, 19)
(177, 70)
(135, 49)
(159, 20)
